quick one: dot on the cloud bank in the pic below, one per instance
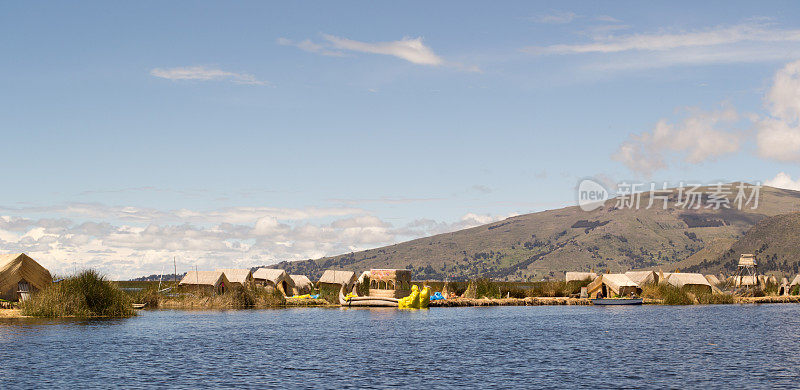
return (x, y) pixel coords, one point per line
(125, 241)
(783, 180)
(702, 136)
(202, 73)
(748, 42)
(778, 134)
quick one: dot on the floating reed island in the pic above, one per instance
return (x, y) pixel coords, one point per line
(28, 289)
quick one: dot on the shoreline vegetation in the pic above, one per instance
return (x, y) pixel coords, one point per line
(85, 295)
(89, 295)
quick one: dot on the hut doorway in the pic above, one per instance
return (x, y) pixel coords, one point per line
(604, 291)
(23, 291)
(284, 288)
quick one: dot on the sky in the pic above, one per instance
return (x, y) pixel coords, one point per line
(236, 134)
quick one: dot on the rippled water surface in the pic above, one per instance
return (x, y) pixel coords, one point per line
(501, 347)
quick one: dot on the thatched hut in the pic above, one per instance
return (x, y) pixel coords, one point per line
(20, 276)
(580, 276)
(389, 283)
(612, 285)
(211, 281)
(333, 278)
(275, 278)
(744, 280)
(642, 277)
(302, 284)
(691, 280)
(238, 277)
(795, 281)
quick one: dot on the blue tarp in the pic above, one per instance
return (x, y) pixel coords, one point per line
(437, 296)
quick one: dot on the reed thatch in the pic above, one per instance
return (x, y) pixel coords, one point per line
(613, 284)
(273, 277)
(19, 268)
(302, 284)
(212, 280)
(642, 277)
(580, 276)
(346, 278)
(713, 280)
(679, 279)
(661, 276)
(241, 277)
(744, 280)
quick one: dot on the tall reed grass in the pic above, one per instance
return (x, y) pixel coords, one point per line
(235, 298)
(672, 295)
(557, 288)
(87, 294)
(492, 289)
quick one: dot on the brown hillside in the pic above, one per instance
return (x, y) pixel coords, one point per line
(775, 241)
(548, 243)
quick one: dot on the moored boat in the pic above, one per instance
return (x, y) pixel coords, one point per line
(369, 301)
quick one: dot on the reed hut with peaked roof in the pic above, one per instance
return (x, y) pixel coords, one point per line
(795, 281)
(389, 283)
(338, 278)
(238, 277)
(580, 276)
(275, 278)
(211, 281)
(744, 280)
(642, 277)
(21, 276)
(691, 280)
(302, 284)
(612, 285)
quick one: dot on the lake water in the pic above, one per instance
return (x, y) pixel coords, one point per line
(499, 347)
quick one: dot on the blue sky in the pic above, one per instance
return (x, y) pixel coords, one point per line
(249, 133)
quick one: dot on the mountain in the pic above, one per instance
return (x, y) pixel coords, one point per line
(775, 241)
(546, 244)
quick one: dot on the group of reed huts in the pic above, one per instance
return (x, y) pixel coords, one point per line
(221, 280)
(631, 282)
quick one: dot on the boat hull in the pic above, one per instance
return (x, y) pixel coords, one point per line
(366, 301)
(617, 301)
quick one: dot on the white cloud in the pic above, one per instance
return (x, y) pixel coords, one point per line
(746, 32)
(564, 17)
(556, 17)
(783, 180)
(778, 136)
(232, 237)
(749, 42)
(606, 18)
(410, 49)
(427, 227)
(310, 47)
(202, 73)
(698, 137)
(233, 215)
